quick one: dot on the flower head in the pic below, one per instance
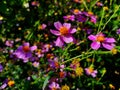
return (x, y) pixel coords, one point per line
(24, 51)
(54, 86)
(118, 31)
(9, 43)
(64, 33)
(100, 39)
(79, 71)
(11, 83)
(69, 17)
(65, 87)
(91, 71)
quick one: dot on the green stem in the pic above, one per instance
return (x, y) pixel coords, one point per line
(86, 55)
(104, 71)
(117, 8)
(101, 21)
(84, 3)
(93, 4)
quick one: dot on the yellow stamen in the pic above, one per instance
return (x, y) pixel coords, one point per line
(63, 30)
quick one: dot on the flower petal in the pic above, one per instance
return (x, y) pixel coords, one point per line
(58, 25)
(67, 38)
(110, 40)
(55, 32)
(26, 44)
(108, 46)
(93, 75)
(73, 30)
(67, 25)
(33, 48)
(59, 42)
(95, 45)
(92, 37)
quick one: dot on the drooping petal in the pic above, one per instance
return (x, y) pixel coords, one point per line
(67, 38)
(55, 32)
(108, 46)
(59, 42)
(73, 30)
(92, 37)
(110, 40)
(67, 25)
(33, 48)
(58, 25)
(95, 45)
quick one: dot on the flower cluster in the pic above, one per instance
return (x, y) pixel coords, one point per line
(59, 45)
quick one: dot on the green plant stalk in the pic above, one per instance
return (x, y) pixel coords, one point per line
(66, 49)
(84, 3)
(93, 4)
(87, 53)
(102, 75)
(101, 21)
(110, 2)
(110, 18)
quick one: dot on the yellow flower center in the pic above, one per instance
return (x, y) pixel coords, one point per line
(54, 88)
(76, 11)
(90, 13)
(100, 38)
(91, 70)
(26, 48)
(11, 83)
(63, 30)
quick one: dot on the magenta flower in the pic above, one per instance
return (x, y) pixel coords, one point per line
(64, 33)
(24, 52)
(93, 19)
(9, 43)
(99, 40)
(35, 3)
(91, 71)
(69, 17)
(54, 86)
(1, 68)
(118, 31)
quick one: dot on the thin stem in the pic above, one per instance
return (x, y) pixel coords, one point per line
(93, 4)
(104, 71)
(88, 55)
(117, 8)
(110, 2)
(101, 20)
(84, 3)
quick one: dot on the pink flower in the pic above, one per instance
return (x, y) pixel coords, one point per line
(91, 71)
(99, 40)
(54, 86)
(35, 3)
(64, 33)
(69, 17)
(24, 51)
(9, 43)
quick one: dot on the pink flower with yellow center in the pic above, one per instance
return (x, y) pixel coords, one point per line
(91, 71)
(54, 86)
(69, 17)
(99, 40)
(76, 11)
(24, 52)
(64, 33)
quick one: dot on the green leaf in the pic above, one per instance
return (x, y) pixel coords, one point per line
(45, 83)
